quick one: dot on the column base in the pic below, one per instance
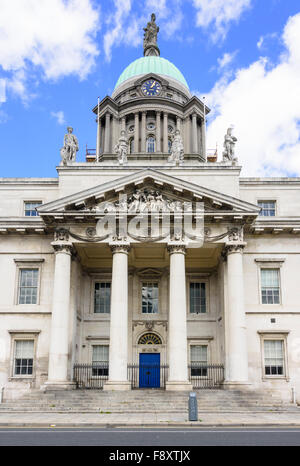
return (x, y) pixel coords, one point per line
(50, 386)
(117, 386)
(236, 385)
(179, 386)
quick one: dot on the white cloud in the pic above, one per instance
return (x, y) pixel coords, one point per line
(263, 102)
(118, 32)
(59, 116)
(226, 60)
(56, 37)
(219, 14)
(2, 91)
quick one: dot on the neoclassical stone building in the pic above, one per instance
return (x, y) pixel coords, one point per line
(124, 304)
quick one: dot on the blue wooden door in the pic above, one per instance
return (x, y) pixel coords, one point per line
(149, 370)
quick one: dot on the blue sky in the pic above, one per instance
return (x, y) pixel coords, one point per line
(241, 54)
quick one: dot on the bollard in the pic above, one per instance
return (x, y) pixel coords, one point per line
(193, 407)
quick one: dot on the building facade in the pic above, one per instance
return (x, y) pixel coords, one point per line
(86, 283)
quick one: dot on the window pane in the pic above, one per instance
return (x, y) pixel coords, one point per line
(274, 357)
(24, 350)
(197, 298)
(102, 297)
(270, 286)
(30, 209)
(150, 298)
(268, 208)
(28, 285)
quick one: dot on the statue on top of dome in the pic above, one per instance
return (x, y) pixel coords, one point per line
(150, 38)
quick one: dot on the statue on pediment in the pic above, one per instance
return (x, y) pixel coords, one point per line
(121, 149)
(177, 149)
(70, 148)
(229, 146)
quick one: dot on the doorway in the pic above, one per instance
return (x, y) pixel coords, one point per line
(149, 370)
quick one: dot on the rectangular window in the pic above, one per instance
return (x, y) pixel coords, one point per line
(28, 286)
(29, 208)
(274, 357)
(100, 360)
(270, 287)
(199, 360)
(197, 298)
(23, 357)
(268, 208)
(150, 298)
(102, 298)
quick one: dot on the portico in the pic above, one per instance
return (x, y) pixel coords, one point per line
(164, 266)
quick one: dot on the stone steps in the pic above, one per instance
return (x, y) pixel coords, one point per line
(142, 401)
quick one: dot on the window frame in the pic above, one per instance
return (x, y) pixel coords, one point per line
(274, 336)
(23, 335)
(151, 136)
(94, 313)
(258, 201)
(275, 265)
(197, 279)
(27, 201)
(200, 342)
(151, 281)
(25, 264)
(92, 354)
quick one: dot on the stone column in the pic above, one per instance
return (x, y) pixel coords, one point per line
(165, 147)
(143, 132)
(59, 344)
(136, 132)
(203, 130)
(98, 150)
(236, 366)
(177, 338)
(107, 133)
(194, 134)
(123, 124)
(158, 132)
(178, 123)
(118, 344)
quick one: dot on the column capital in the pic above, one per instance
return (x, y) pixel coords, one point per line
(123, 248)
(176, 248)
(62, 247)
(233, 248)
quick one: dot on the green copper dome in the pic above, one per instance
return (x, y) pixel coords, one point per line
(146, 65)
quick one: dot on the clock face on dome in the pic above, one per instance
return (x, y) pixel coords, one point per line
(151, 87)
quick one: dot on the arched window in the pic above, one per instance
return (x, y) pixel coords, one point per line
(131, 146)
(150, 339)
(169, 146)
(151, 144)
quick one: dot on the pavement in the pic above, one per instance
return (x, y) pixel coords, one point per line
(155, 419)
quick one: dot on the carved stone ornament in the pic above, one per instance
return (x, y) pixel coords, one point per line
(119, 248)
(177, 149)
(176, 248)
(61, 234)
(235, 234)
(70, 148)
(66, 248)
(234, 248)
(121, 149)
(229, 147)
(150, 38)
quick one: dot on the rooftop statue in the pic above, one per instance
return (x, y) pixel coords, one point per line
(177, 149)
(150, 38)
(121, 149)
(229, 146)
(70, 148)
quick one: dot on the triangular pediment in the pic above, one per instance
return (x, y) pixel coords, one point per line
(168, 189)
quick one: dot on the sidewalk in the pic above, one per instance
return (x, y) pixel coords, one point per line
(207, 419)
